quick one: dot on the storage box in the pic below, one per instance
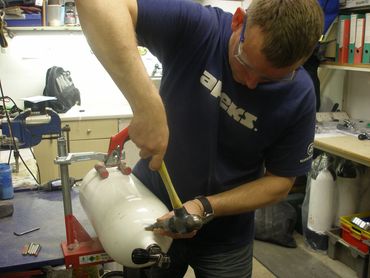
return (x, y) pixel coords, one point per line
(342, 251)
(27, 20)
(354, 234)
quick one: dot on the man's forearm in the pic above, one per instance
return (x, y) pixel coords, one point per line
(247, 197)
(109, 27)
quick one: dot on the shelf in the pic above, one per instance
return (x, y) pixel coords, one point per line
(46, 28)
(359, 7)
(352, 67)
(346, 146)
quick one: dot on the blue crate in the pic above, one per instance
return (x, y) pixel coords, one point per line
(29, 20)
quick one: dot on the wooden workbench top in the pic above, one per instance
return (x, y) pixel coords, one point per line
(346, 146)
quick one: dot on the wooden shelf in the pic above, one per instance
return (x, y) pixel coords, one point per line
(347, 146)
(356, 67)
(46, 28)
(358, 8)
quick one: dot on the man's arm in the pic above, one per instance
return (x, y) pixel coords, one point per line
(250, 196)
(109, 27)
(246, 197)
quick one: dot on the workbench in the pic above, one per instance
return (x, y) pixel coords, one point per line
(346, 146)
(37, 209)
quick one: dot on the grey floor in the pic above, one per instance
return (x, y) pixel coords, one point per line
(259, 271)
(297, 262)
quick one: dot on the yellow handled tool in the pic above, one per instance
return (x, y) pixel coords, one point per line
(175, 200)
(181, 221)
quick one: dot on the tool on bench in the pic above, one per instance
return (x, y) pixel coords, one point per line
(364, 136)
(26, 232)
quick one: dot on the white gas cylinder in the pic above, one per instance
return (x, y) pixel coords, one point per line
(347, 197)
(119, 208)
(321, 211)
(365, 191)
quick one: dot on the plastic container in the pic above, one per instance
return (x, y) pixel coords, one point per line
(354, 234)
(28, 20)
(342, 251)
(6, 184)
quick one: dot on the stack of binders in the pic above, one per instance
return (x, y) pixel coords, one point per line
(353, 39)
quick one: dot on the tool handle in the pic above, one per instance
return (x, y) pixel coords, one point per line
(175, 200)
(118, 140)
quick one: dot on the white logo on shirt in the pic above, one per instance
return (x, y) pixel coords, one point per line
(236, 113)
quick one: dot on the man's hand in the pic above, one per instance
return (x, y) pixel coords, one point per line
(192, 207)
(149, 131)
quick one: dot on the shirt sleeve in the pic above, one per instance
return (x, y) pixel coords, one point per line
(166, 26)
(291, 154)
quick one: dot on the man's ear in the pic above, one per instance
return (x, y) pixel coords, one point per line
(238, 19)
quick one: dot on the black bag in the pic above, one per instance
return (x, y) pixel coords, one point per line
(275, 224)
(59, 84)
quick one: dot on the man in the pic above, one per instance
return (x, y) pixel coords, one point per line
(234, 120)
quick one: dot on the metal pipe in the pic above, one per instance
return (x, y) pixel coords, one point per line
(67, 201)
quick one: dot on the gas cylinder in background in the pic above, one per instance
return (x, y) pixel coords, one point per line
(318, 209)
(119, 208)
(364, 200)
(321, 205)
(347, 189)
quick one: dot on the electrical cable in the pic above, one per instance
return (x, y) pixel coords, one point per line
(7, 117)
(37, 166)
(16, 150)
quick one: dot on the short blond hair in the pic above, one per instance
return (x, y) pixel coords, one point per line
(291, 28)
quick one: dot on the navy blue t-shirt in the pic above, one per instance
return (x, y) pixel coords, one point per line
(222, 134)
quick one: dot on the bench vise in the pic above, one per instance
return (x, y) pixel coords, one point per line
(30, 128)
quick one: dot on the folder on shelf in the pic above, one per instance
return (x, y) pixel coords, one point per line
(343, 39)
(366, 50)
(352, 38)
(359, 42)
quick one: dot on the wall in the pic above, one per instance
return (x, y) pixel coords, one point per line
(332, 84)
(24, 63)
(348, 88)
(357, 95)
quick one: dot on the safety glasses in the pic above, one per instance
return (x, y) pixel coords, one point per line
(239, 57)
